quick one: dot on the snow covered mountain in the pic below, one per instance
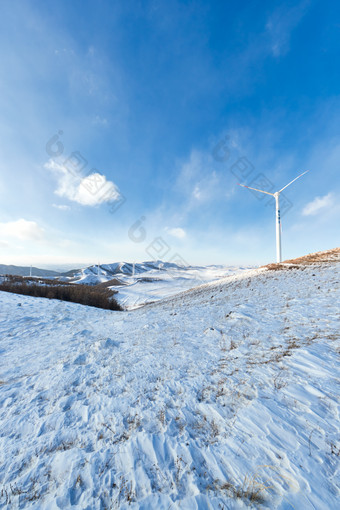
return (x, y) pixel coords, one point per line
(140, 283)
(136, 284)
(224, 396)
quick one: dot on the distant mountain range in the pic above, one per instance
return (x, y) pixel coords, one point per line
(106, 270)
(135, 284)
(25, 271)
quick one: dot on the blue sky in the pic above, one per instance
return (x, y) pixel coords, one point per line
(170, 104)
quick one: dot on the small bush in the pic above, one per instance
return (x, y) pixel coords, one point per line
(50, 289)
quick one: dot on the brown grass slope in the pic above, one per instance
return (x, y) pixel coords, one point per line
(318, 258)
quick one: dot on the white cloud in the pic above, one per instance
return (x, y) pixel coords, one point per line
(197, 192)
(317, 204)
(198, 181)
(95, 189)
(64, 51)
(100, 121)
(22, 229)
(281, 24)
(91, 190)
(178, 232)
(207, 188)
(61, 207)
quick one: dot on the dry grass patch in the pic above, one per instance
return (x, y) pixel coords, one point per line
(329, 256)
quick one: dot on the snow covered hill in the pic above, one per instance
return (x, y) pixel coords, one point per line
(136, 284)
(222, 397)
(140, 283)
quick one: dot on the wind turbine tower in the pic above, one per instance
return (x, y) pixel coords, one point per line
(276, 195)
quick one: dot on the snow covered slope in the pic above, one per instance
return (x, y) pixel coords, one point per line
(157, 284)
(223, 397)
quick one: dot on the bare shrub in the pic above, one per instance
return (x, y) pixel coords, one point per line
(50, 289)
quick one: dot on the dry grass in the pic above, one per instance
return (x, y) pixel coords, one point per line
(281, 267)
(322, 257)
(251, 489)
(117, 439)
(335, 450)
(255, 488)
(32, 493)
(280, 380)
(126, 492)
(161, 416)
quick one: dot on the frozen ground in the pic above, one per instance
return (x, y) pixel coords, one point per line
(224, 397)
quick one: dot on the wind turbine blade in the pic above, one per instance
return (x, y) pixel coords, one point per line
(291, 182)
(260, 190)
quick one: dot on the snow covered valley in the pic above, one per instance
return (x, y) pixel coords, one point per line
(222, 397)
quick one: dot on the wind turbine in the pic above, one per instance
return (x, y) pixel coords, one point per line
(276, 195)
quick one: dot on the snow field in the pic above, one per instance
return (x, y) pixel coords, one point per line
(222, 397)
